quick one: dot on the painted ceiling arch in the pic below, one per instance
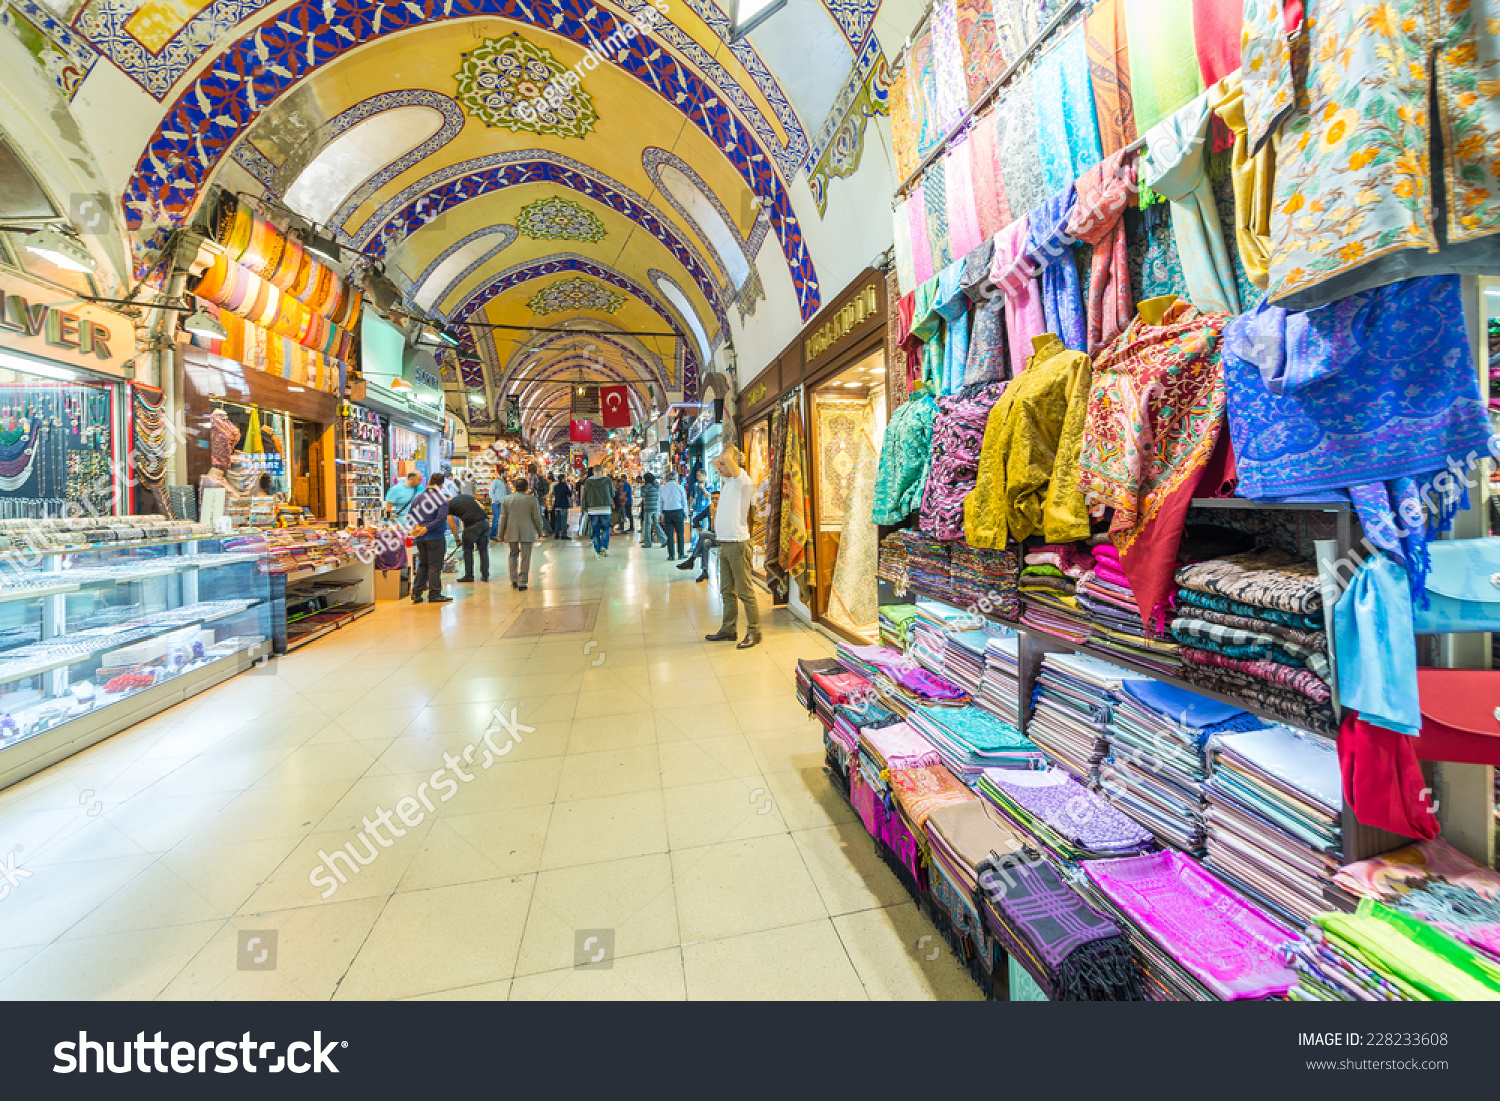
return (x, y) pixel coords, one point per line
(637, 357)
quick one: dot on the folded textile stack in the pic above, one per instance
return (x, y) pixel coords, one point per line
(916, 793)
(985, 580)
(1070, 707)
(829, 690)
(1061, 815)
(1057, 613)
(971, 740)
(927, 567)
(891, 565)
(930, 631)
(841, 740)
(897, 746)
(1435, 882)
(806, 669)
(963, 658)
(895, 624)
(867, 661)
(1071, 950)
(1046, 578)
(1105, 595)
(1194, 938)
(1156, 766)
(1380, 954)
(1251, 625)
(1000, 690)
(1274, 817)
(958, 837)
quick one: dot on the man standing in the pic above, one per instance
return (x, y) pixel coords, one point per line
(520, 526)
(673, 502)
(430, 514)
(401, 495)
(497, 494)
(562, 504)
(597, 497)
(464, 510)
(732, 533)
(650, 496)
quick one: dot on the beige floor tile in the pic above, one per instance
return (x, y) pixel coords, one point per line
(157, 898)
(807, 798)
(788, 750)
(718, 811)
(264, 812)
(773, 714)
(804, 962)
(900, 956)
(426, 941)
(609, 772)
(314, 947)
(605, 702)
(742, 886)
(739, 687)
(158, 824)
(383, 724)
(479, 992)
(313, 764)
(337, 866)
(46, 903)
(227, 875)
(636, 728)
(846, 869)
(468, 848)
(120, 966)
(591, 831)
(654, 977)
(675, 724)
(633, 898)
(513, 782)
(704, 760)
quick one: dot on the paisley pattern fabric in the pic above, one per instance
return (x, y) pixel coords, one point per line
(957, 437)
(854, 599)
(1050, 253)
(990, 201)
(984, 61)
(1020, 163)
(948, 65)
(903, 134)
(1109, 74)
(926, 119)
(1103, 193)
(1066, 126)
(935, 194)
(905, 459)
(1354, 203)
(987, 362)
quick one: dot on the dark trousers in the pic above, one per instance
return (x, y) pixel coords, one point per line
(675, 521)
(476, 537)
(428, 573)
(705, 544)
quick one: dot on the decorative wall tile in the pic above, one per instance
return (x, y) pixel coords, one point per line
(559, 219)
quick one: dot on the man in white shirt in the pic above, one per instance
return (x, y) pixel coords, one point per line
(673, 504)
(498, 493)
(732, 533)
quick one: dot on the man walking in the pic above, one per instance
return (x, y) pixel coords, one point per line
(520, 526)
(430, 514)
(732, 533)
(497, 494)
(650, 494)
(673, 503)
(562, 504)
(597, 498)
(465, 511)
(540, 489)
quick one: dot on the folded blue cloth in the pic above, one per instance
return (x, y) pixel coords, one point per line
(1377, 651)
(1190, 709)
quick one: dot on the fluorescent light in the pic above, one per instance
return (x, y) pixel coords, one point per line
(297, 389)
(31, 366)
(476, 399)
(203, 323)
(65, 252)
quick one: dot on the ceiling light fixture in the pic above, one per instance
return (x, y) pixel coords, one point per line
(202, 323)
(30, 366)
(323, 248)
(60, 249)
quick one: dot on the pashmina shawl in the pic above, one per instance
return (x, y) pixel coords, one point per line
(1253, 178)
(906, 268)
(984, 61)
(1232, 642)
(920, 791)
(990, 201)
(795, 537)
(1216, 37)
(1164, 71)
(921, 247)
(904, 459)
(1053, 798)
(951, 92)
(1109, 74)
(1025, 318)
(854, 597)
(1390, 875)
(927, 327)
(1298, 680)
(774, 478)
(1021, 166)
(1225, 943)
(1312, 640)
(899, 747)
(1066, 125)
(1097, 219)
(957, 438)
(1027, 480)
(1203, 600)
(903, 135)
(987, 361)
(1437, 965)
(926, 118)
(1152, 436)
(1263, 579)
(935, 194)
(963, 216)
(1049, 250)
(1175, 164)
(952, 305)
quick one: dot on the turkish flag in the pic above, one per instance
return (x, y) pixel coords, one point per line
(614, 407)
(580, 431)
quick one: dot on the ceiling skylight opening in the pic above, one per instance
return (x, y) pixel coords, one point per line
(356, 155)
(746, 15)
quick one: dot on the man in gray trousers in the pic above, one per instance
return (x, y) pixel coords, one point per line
(520, 526)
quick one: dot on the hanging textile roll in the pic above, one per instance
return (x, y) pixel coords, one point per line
(1021, 166)
(987, 361)
(906, 272)
(1103, 193)
(935, 194)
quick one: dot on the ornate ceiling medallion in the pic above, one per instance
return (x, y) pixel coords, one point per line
(559, 219)
(575, 294)
(519, 85)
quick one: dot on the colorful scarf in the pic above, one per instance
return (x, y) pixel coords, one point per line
(1415, 954)
(952, 305)
(1298, 680)
(963, 216)
(920, 791)
(1024, 315)
(906, 268)
(1109, 73)
(1152, 428)
(898, 746)
(795, 559)
(1050, 253)
(1217, 25)
(1067, 126)
(921, 247)
(926, 120)
(1020, 163)
(948, 65)
(986, 333)
(1104, 192)
(1253, 178)
(957, 436)
(774, 480)
(1164, 73)
(903, 131)
(1268, 578)
(935, 194)
(989, 184)
(983, 59)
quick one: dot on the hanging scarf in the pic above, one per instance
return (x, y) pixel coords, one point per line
(935, 194)
(795, 511)
(1152, 427)
(1104, 192)
(1050, 252)
(1217, 25)
(921, 248)
(254, 445)
(1109, 74)
(1009, 270)
(990, 203)
(952, 305)
(983, 60)
(1015, 117)
(963, 216)
(925, 116)
(775, 477)
(1254, 179)
(1164, 72)
(951, 93)
(986, 361)
(906, 269)
(903, 134)
(1067, 126)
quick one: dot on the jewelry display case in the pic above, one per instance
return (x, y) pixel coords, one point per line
(104, 623)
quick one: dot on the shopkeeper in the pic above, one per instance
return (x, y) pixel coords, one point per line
(401, 495)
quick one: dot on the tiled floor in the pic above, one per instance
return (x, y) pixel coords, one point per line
(662, 792)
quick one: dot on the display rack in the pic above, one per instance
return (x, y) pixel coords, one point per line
(361, 463)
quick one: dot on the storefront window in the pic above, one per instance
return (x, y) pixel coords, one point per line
(409, 452)
(262, 448)
(57, 446)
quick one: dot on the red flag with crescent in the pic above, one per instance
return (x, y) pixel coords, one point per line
(580, 431)
(614, 408)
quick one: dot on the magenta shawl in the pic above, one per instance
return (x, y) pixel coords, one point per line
(963, 218)
(921, 248)
(1015, 275)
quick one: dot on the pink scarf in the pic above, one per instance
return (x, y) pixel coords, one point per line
(1103, 193)
(921, 249)
(1015, 275)
(963, 218)
(989, 186)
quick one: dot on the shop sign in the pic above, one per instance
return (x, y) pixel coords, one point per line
(91, 338)
(755, 395)
(854, 313)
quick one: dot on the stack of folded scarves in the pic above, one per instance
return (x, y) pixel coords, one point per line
(984, 579)
(867, 661)
(971, 740)
(1105, 595)
(1194, 938)
(963, 658)
(1251, 625)
(806, 669)
(841, 741)
(1000, 690)
(931, 627)
(1435, 882)
(1380, 954)
(1070, 708)
(829, 690)
(1156, 767)
(895, 624)
(897, 746)
(916, 793)
(1061, 816)
(1071, 950)
(891, 564)
(958, 837)
(1274, 817)
(927, 567)
(1056, 613)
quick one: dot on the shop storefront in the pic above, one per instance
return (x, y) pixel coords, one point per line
(361, 463)
(63, 414)
(757, 402)
(402, 384)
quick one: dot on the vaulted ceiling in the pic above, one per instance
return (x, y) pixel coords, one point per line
(519, 168)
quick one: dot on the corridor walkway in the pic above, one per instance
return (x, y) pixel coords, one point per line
(669, 804)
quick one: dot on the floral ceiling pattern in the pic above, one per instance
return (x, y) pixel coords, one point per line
(576, 293)
(505, 82)
(559, 219)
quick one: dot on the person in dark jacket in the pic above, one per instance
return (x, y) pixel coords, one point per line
(469, 518)
(429, 514)
(650, 498)
(597, 497)
(562, 504)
